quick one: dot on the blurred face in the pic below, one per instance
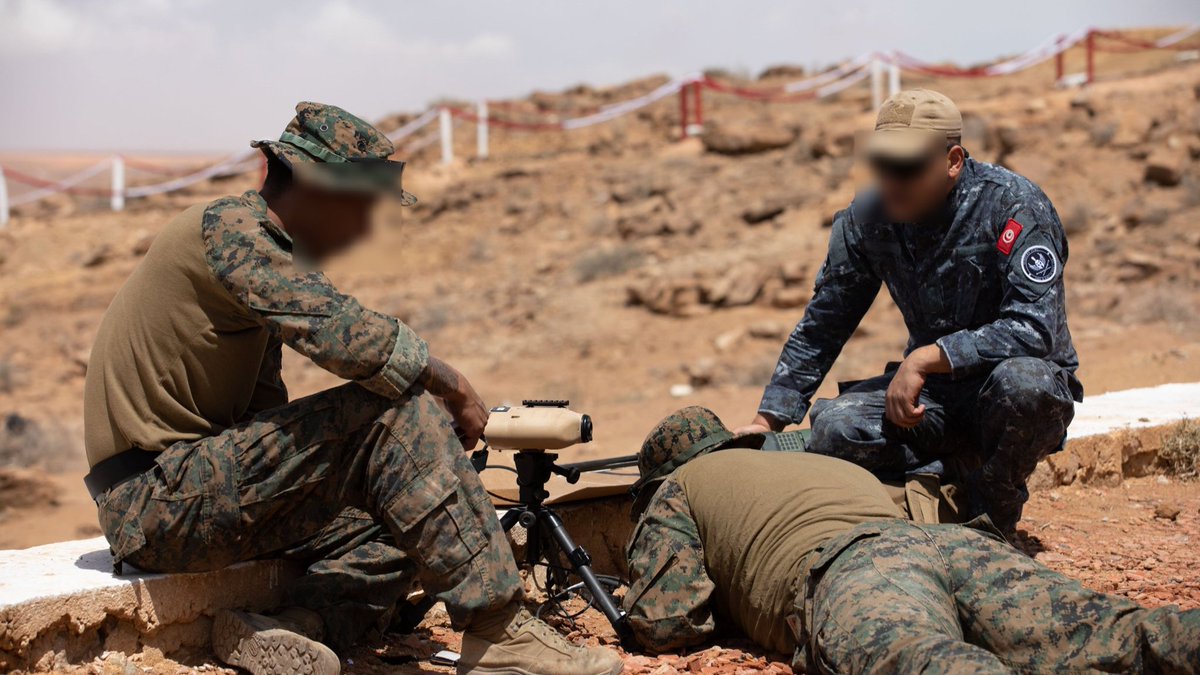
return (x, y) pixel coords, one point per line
(325, 223)
(912, 190)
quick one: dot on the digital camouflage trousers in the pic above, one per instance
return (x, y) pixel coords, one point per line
(986, 433)
(896, 597)
(366, 491)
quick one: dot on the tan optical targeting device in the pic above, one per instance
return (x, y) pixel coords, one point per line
(537, 425)
(532, 429)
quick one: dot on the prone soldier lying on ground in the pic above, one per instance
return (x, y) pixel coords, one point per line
(807, 554)
(199, 460)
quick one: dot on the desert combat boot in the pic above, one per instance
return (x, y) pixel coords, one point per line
(274, 645)
(528, 646)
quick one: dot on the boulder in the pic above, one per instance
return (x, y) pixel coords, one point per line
(763, 211)
(1140, 212)
(701, 373)
(790, 297)
(745, 138)
(1064, 467)
(768, 330)
(1165, 167)
(668, 296)
(1167, 511)
(783, 70)
(739, 286)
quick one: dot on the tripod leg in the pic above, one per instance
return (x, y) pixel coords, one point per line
(510, 518)
(582, 564)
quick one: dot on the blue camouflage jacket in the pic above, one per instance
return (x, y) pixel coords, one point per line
(982, 279)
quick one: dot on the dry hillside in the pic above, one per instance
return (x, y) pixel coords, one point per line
(608, 264)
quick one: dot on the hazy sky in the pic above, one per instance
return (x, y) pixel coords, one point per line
(211, 74)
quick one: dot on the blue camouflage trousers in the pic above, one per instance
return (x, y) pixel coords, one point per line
(369, 493)
(897, 597)
(987, 433)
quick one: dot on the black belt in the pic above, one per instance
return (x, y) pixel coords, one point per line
(117, 469)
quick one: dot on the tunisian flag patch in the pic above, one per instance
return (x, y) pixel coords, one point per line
(1008, 237)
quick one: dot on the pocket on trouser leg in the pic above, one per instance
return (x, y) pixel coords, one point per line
(120, 512)
(436, 522)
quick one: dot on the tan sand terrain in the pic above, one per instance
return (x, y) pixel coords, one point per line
(609, 264)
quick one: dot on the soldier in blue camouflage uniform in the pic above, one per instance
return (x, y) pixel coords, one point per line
(806, 555)
(200, 460)
(973, 256)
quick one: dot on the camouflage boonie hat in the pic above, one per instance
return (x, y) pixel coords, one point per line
(328, 147)
(678, 439)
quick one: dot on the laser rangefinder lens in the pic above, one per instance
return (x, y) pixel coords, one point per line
(585, 429)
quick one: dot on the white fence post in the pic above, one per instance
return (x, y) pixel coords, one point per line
(876, 82)
(444, 127)
(3, 200)
(893, 79)
(118, 183)
(481, 130)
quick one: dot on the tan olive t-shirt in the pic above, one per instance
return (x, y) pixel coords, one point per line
(760, 514)
(192, 343)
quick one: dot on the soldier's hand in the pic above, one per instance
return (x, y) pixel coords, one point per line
(462, 401)
(761, 425)
(903, 394)
(904, 408)
(470, 414)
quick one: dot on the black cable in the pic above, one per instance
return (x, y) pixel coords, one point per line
(506, 500)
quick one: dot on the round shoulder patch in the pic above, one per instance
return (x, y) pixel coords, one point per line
(1039, 264)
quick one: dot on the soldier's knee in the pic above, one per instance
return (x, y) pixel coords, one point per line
(1026, 386)
(842, 424)
(418, 414)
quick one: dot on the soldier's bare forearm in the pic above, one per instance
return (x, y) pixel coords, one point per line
(929, 360)
(440, 379)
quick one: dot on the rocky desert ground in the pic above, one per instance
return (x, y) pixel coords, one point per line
(634, 273)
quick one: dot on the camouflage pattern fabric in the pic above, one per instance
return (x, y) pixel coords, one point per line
(281, 484)
(986, 432)
(682, 434)
(895, 597)
(327, 146)
(985, 290)
(252, 258)
(890, 596)
(679, 438)
(668, 602)
(357, 579)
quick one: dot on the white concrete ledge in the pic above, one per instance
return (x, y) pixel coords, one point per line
(1135, 408)
(62, 604)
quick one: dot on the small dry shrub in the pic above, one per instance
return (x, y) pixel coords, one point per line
(1180, 453)
(606, 262)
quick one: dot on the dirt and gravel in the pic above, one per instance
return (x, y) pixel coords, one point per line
(633, 274)
(1137, 540)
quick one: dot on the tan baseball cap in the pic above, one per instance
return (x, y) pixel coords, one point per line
(912, 123)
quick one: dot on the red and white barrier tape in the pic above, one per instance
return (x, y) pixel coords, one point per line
(818, 81)
(1132, 44)
(1043, 52)
(616, 110)
(414, 125)
(851, 73)
(1176, 38)
(819, 86)
(606, 114)
(48, 188)
(235, 164)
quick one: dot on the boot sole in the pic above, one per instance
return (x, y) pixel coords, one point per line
(616, 670)
(237, 641)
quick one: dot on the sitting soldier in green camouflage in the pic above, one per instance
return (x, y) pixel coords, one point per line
(807, 555)
(199, 460)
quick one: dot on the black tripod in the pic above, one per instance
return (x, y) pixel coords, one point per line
(546, 534)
